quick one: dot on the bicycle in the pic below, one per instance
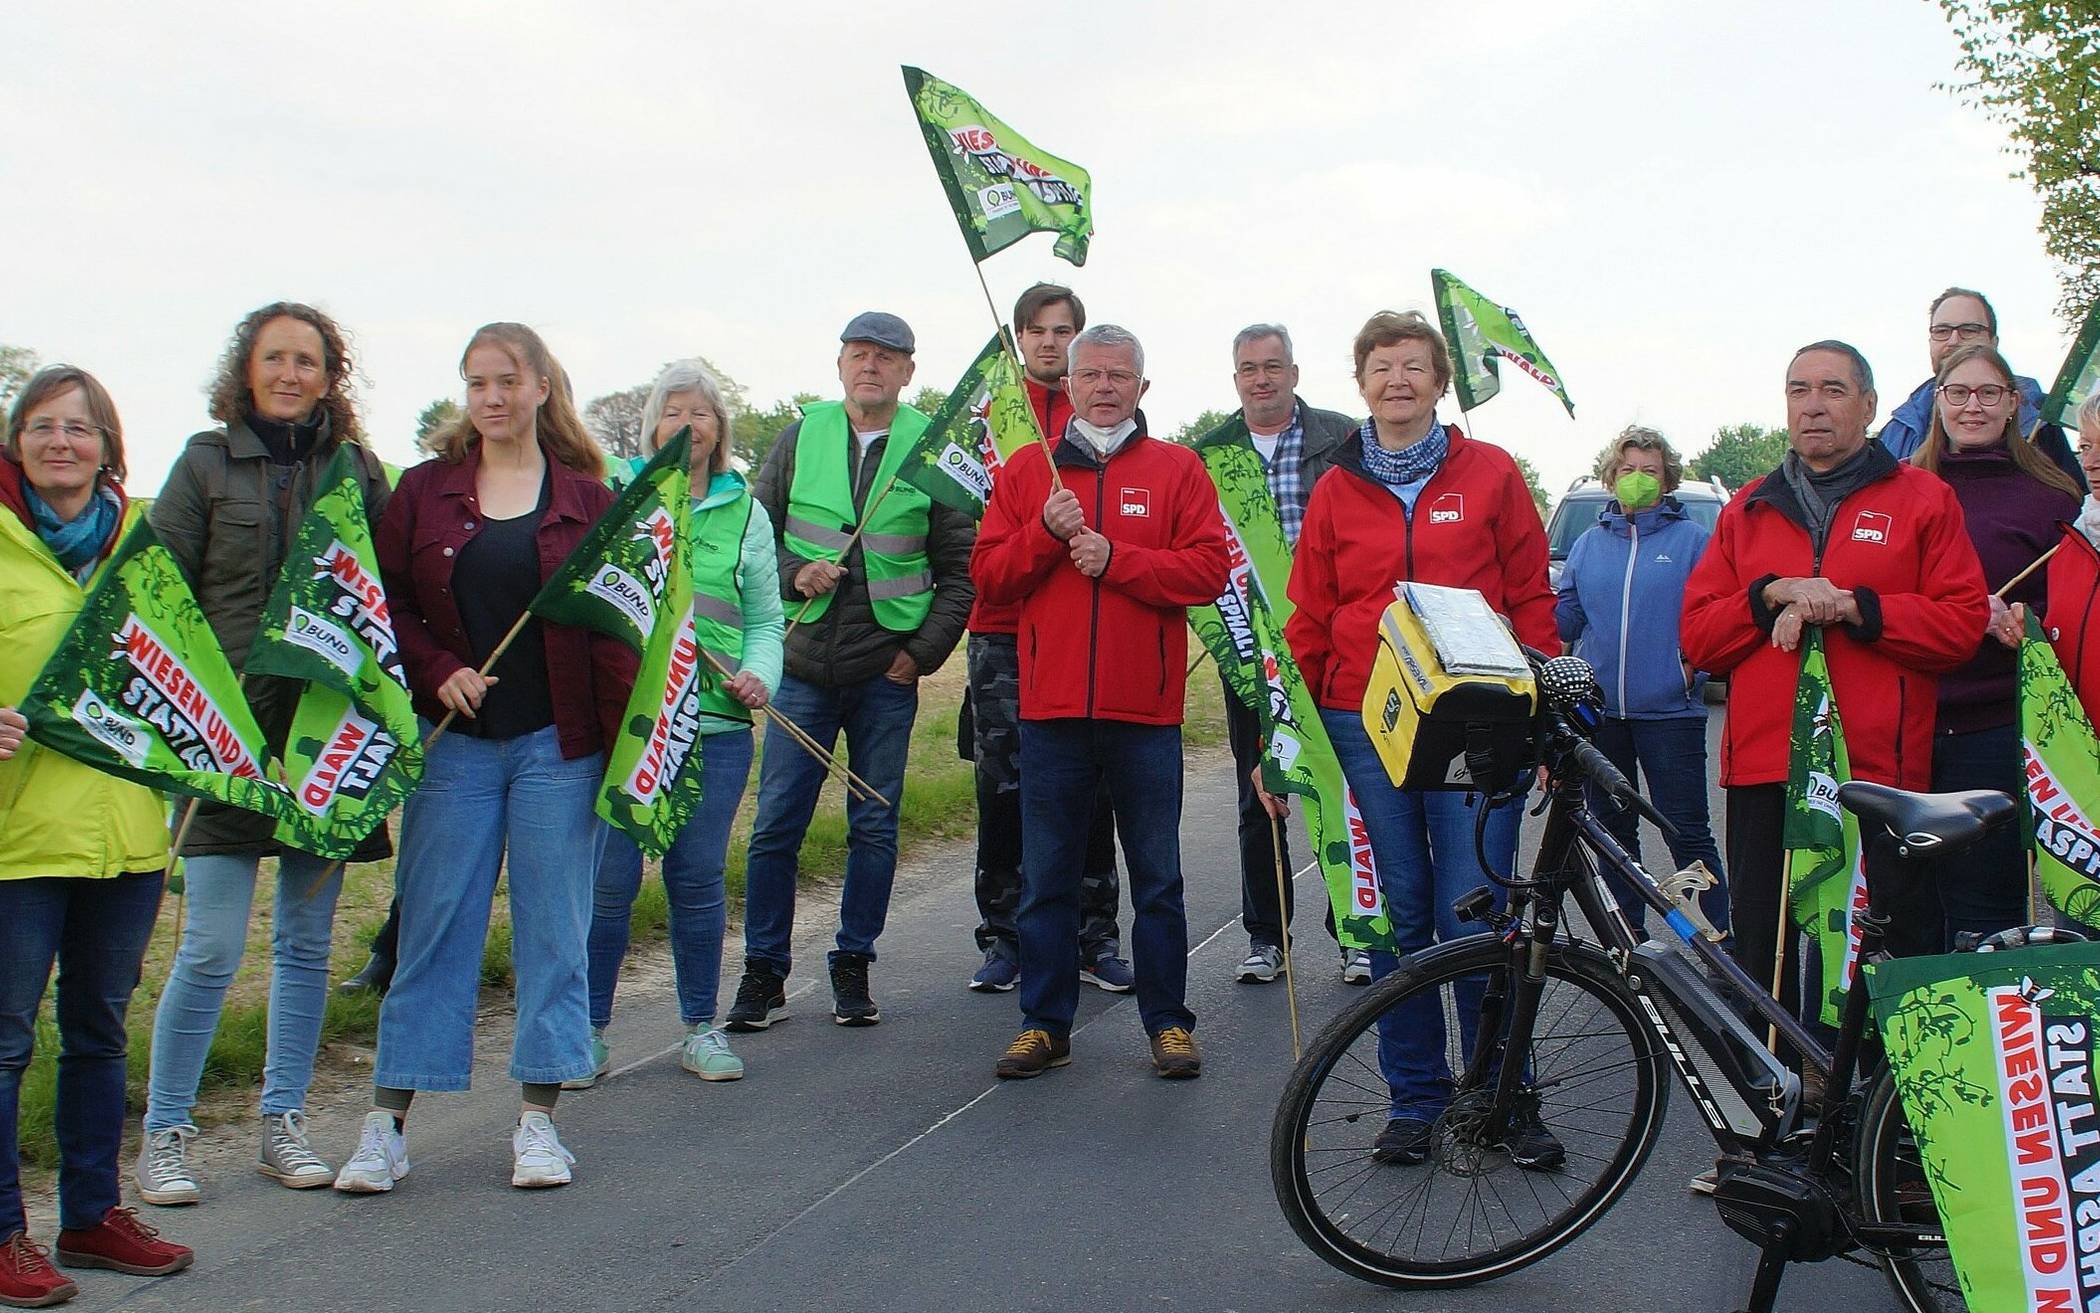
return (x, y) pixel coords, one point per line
(1578, 1035)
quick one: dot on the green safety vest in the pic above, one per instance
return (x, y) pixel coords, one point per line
(821, 516)
(717, 551)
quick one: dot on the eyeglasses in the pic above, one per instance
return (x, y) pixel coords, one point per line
(1957, 394)
(1266, 369)
(1969, 332)
(72, 428)
(1122, 378)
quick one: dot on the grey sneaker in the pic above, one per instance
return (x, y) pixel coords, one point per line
(1263, 964)
(288, 1157)
(601, 1059)
(1356, 967)
(706, 1054)
(163, 1173)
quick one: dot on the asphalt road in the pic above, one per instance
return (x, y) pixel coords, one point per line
(885, 1169)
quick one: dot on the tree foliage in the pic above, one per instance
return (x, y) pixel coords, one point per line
(2034, 66)
(754, 430)
(433, 417)
(1531, 481)
(17, 365)
(1740, 453)
(615, 419)
(929, 399)
(1188, 433)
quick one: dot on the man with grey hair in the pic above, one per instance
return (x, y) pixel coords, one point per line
(1104, 554)
(1296, 443)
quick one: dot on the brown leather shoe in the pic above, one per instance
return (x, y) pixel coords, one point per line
(122, 1243)
(1032, 1053)
(1174, 1054)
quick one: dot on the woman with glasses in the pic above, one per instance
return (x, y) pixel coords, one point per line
(2012, 500)
(231, 505)
(83, 852)
(736, 585)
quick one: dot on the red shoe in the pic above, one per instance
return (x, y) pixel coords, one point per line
(27, 1279)
(122, 1243)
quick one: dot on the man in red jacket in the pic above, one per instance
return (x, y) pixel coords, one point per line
(1874, 553)
(1104, 556)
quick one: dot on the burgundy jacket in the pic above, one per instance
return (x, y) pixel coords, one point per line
(432, 514)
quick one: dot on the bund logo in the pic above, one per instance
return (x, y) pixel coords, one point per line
(1135, 501)
(1448, 509)
(1873, 527)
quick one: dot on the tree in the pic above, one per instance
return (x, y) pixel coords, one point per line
(615, 419)
(2032, 66)
(1531, 481)
(929, 400)
(433, 417)
(1740, 453)
(17, 365)
(753, 431)
(1188, 433)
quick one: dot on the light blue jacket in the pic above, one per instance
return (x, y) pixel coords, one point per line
(1621, 592)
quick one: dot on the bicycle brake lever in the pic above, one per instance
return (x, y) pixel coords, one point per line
(1683, 889)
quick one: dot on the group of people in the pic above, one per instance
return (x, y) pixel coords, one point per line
(831, 587)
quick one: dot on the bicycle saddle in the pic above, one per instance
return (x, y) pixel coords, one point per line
(1924, 822)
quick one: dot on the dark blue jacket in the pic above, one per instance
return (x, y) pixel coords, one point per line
(1620, 594)
(1910, 422)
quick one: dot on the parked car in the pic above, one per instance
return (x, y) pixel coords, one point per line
(1579, 506)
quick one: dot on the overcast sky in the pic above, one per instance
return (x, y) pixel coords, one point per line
(1674, 196)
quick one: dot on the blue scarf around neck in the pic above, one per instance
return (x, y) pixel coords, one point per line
(78, 542)
(1411, 464)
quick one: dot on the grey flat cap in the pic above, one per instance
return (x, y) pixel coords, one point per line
(881, 329)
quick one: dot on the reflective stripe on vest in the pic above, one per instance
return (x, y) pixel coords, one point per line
(821, 516)
(716, 555)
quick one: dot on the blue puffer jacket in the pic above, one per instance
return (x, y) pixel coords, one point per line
(1620, 595)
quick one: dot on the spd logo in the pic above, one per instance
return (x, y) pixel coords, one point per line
(1135, 501)
(1448, 509)
(1872, 527)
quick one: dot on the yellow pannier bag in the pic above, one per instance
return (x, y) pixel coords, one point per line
(1451, 696)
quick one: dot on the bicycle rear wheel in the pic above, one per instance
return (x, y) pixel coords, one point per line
(1893, 1188)
(1468, 1214)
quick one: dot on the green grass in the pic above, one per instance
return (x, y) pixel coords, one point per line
(939, 804)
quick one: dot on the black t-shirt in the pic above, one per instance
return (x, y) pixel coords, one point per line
(495, 577)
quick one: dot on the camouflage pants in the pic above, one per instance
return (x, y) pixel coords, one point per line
(995, 709)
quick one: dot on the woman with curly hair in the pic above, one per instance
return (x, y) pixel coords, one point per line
(232, 503)
(530, 707)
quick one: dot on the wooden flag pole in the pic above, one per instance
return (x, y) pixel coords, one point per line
(1013, 353)
(854, 783)
(2037, 564)
(1283, 900)
(866, 517)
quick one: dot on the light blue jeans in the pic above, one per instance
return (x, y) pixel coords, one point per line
(220, 889)
(692, 886)
(479, 798)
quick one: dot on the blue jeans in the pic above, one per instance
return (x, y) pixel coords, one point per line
(876, 716)
(1671, 756)
(692, 885)
(1422, 842)
(481, 797)
(220, 888)
(96, 930)
(1062, 765)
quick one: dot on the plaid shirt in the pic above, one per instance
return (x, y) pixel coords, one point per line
(1287, 477)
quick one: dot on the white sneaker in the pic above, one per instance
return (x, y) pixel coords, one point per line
(163, 1173)
(1263, 964)
(381, 1158)
(537, 1158)
(1356, 967)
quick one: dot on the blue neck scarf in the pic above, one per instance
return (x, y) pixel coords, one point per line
(1412, 464)
(78, 542)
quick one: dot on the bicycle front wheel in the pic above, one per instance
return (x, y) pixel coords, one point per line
(1891, 1176)
(1593, 1075)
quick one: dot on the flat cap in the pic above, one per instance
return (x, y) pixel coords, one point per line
(882, 329)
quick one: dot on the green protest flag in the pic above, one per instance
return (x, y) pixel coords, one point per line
(1479, 332)
(1000, 187)
(354, 752)
(615, 579)
(1993, 1060)
(2080, 376)
(1828, 887)
(2062, 762)
(986, 419)
(1243, 631)
(140, 688)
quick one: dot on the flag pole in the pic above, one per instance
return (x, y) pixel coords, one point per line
(1283, 900)
(853, 782)
(867, 516)
(1786, 896)
(1013, 353)
(2037, 564)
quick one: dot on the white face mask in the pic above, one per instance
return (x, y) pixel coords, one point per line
(1104, 441)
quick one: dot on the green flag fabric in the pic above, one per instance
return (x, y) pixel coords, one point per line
(2079, 378)
(354, 752)
(1993, 1059)
(985, 420)
(1481, 332)
(2061, 756)
(1000, 187)
(139, 688)
(1824, 875)
(1243, 631)
(631, 577)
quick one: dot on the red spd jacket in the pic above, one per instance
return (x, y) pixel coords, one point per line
(1053, 410)
(1115, 647)
(1900, 546)
(2074, 609)
(1473, 526)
